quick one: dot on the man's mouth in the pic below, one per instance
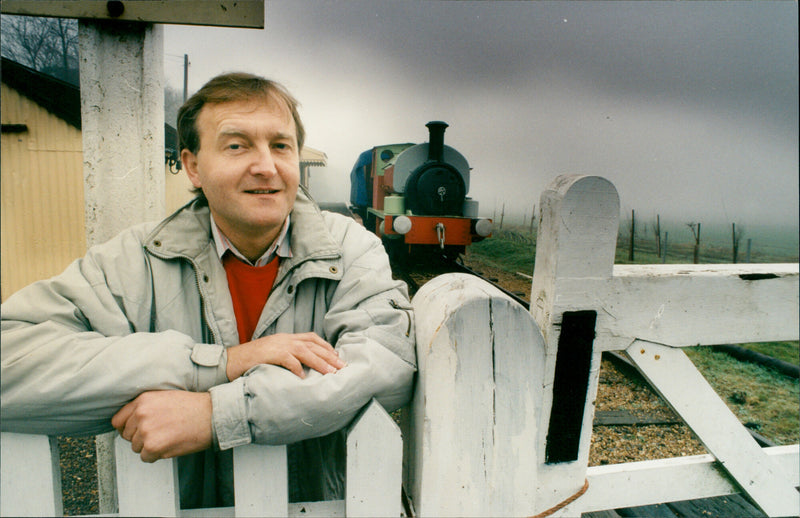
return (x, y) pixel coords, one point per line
(261, 191)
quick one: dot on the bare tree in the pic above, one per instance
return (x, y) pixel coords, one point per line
(49, 45)
(696, 233)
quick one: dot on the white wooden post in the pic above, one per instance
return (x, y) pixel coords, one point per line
(577, 242)
(30, 479)
(261, 484)
(145, 489)
(374, 464)
(470, 447)
(122, 119)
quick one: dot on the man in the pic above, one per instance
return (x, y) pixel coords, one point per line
(246, 316)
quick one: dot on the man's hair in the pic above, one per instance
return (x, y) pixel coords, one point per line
(232, 87)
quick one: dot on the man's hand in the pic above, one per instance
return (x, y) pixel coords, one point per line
(291, 351)
(166, 423)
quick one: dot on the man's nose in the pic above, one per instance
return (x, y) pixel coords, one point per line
(263, 163)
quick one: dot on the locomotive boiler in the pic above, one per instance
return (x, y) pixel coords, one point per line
(414, 196)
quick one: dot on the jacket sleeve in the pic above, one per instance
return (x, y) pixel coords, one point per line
(77, 347)
(370, 322)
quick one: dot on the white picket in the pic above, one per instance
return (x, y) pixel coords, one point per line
(261, 486)
(374, 464)
(30, 480)
(145, 489)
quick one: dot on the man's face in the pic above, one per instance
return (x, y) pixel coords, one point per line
(248, 166)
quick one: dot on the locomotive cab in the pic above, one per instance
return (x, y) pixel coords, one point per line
(415, 197)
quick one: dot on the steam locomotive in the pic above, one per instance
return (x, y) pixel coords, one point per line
(415, 198)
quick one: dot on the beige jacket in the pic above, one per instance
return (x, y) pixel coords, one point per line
(150, 309)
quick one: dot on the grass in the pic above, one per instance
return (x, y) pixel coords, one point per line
(513, 249)
(786, 351)
(507, 250)
(761, 398)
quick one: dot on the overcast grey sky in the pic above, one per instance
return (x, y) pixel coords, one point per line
(689, 108)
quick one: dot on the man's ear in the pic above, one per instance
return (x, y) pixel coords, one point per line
(189, 161)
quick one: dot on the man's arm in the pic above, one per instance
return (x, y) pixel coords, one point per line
(164, 424)
(77, 347)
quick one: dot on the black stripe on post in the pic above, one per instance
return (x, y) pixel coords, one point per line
(573, 362)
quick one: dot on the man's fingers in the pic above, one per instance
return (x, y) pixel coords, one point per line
(122, 416)
(291, 351)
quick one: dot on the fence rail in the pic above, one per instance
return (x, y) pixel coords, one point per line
(501, 420)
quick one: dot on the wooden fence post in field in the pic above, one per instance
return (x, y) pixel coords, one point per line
(470, 437)
(576, 246)
(633, 236)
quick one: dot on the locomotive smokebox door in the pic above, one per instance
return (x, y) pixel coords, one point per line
(436, 176)
(435, 189)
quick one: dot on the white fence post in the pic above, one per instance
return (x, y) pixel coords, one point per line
(30, 480)
(470, 449)
(576, 241)
(145, 489)
(261, 485)
(374, 464)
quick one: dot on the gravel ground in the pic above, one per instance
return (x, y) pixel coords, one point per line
(78, 475)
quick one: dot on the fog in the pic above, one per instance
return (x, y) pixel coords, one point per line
(689, 108)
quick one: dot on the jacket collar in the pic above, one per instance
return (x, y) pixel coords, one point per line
(187, 232)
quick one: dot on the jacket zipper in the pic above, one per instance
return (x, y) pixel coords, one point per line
(407, 311)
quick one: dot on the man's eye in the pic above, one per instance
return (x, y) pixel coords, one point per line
(234, 146)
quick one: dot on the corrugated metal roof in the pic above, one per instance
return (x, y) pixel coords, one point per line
(313, 157)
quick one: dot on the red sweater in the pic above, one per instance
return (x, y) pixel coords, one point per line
(249, 287)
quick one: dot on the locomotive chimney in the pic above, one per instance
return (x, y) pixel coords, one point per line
(436, 140)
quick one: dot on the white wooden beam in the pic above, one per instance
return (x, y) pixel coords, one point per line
(685, 305)
(227, 13)
(634, 484)
(679, 382)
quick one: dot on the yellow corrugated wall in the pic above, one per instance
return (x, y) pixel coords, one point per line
(41, 194)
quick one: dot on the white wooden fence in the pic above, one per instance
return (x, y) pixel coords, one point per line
(501, 420)
(31, 481)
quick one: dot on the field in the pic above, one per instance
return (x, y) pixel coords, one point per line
(763, 400)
